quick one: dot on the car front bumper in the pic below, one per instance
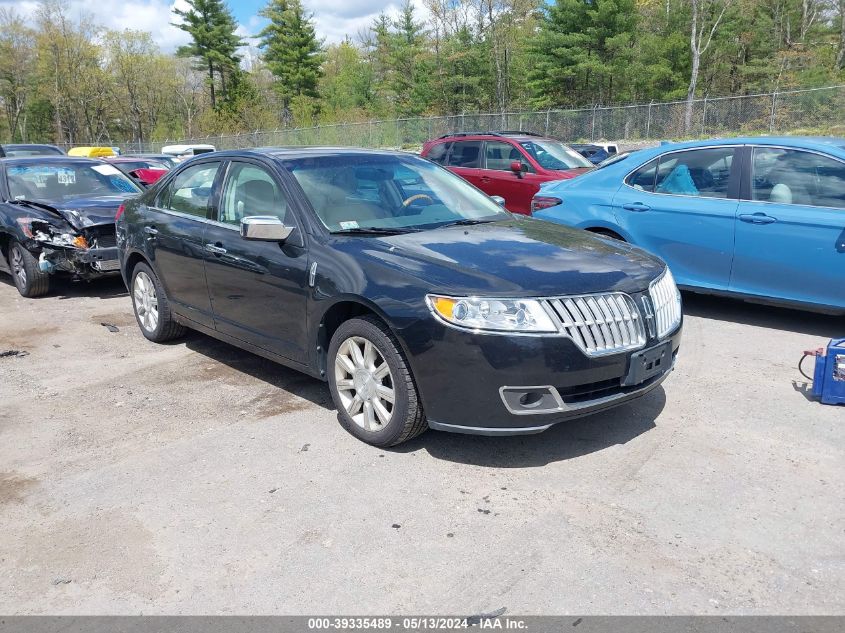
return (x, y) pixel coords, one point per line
(86, 263)
(471, 383)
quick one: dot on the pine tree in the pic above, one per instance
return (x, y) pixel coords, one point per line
(292, 51)
(577, 51)
(214, 42)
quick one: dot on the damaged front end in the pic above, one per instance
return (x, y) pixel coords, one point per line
(86, 253)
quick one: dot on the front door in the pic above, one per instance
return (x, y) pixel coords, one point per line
(790, 234)
(258, 289)
(498, 179)
(174, 229)
(681, 206)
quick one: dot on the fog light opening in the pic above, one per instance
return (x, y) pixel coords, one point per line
(531, 399)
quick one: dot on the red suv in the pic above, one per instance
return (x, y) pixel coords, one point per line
(507, 164)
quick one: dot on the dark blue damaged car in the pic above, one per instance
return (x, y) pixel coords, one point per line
(57, 218)
(420, 300)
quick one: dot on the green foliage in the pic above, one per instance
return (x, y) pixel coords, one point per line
(291, 49)
(64, 78)
(214, 43)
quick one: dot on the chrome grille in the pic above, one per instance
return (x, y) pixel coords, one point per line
(106, 265)
(667, 303)
(600, 324)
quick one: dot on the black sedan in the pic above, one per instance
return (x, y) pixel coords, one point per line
(57, 217)
(420, 300)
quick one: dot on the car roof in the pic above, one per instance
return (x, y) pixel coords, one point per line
(284, 153)
(515, 135)
(26, 145)
(131, 158)
(42, 160)
(808, 142)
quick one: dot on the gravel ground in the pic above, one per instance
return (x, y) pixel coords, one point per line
(197, 478)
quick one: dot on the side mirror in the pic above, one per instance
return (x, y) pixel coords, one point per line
(498, 200)
(518, 167)
(267, 228)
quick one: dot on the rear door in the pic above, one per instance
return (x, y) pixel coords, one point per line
(175, 228)
(498, 179)
(465, 160)
(790, 230)
(258, 289)
(682, 207)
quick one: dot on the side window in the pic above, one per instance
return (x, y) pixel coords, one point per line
(789, 176)
(251, 190)
(465, 154)
(438, 153)
(643, 178)
(500, 155)
(190, 190)
(699, 172)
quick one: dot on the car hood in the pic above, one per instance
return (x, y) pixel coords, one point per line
(516, 257)
(82, 213)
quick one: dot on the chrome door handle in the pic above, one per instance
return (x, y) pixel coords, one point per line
(757, 218)
(150, 230)
(636, 206)
(217, 250)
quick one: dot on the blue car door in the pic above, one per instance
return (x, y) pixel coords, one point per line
(682, 207)
(790, 235)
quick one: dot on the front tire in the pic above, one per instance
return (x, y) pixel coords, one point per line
(151, 308)
(29, 279)
(371, 384)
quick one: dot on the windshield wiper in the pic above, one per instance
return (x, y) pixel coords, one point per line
(467, 222)
(375, 230)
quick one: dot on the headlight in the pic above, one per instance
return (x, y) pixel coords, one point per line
(498, 315)
(44, 232)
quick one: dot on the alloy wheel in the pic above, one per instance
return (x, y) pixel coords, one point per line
(146, 301)
(364, 383)
(18, 266)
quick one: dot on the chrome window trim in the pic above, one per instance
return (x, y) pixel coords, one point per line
(794, 149)
(188, 216)
(677, 151)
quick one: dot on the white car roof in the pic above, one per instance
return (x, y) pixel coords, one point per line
(181, 149)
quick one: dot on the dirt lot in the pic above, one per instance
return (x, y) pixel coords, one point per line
(196, 478)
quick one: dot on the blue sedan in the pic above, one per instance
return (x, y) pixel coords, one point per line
(761, 218)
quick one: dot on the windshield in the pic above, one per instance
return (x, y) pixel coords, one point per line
(54, 182)
(356, 191)
(555, 155)
(613, 160)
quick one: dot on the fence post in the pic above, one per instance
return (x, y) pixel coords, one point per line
(547, 121)
(704, 118)
(772, 117)
(593, 124)
(648, 121)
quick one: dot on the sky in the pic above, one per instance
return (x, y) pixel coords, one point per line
(334, 19)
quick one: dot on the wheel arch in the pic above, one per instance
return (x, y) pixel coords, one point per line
(133, 258)
(342, 310)
(610, 232)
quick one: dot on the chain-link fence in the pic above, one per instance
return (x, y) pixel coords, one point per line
(818, 111)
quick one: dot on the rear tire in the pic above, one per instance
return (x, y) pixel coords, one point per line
(151, 308)
(371, 384)
(29, 279)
